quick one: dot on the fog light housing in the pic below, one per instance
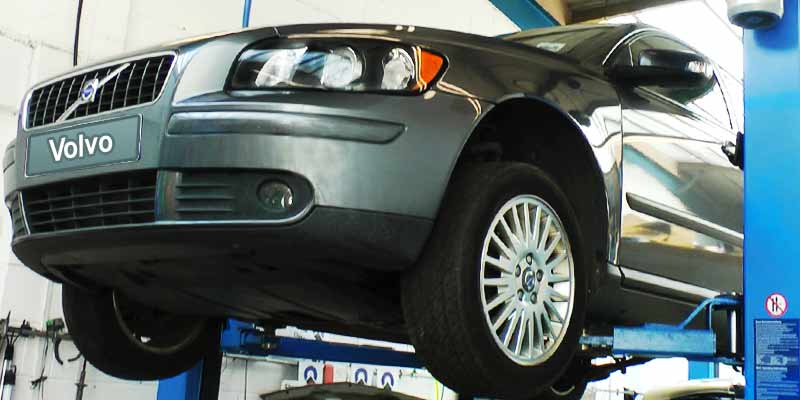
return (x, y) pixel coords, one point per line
(276, 196)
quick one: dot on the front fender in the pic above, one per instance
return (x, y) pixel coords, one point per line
(587, 101)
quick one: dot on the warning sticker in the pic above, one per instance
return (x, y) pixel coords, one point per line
(776, 359)
(776, 305)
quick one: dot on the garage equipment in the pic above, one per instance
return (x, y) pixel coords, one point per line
(628, 345)
(243, 338)
(202, 382)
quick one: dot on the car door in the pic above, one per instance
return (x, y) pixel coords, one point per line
(682, 198)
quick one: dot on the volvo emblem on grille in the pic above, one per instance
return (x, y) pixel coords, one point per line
(89, 91)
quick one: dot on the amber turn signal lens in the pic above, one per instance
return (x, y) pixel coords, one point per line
(429, 65)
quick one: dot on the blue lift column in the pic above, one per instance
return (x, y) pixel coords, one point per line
(772, 209)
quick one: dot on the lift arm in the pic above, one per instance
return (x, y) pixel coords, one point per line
(657, 340)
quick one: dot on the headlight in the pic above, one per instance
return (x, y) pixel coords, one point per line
(353, 65)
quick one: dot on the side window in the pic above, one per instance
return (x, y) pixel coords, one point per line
(707, 100)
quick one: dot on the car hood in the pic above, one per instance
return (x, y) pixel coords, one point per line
(406, 33)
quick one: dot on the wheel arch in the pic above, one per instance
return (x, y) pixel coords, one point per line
(504, 133)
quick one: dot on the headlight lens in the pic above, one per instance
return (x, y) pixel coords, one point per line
(355, 65)
(342, 68)
(398, 70)
(280, 67)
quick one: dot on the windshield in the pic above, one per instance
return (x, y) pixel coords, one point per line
(560, 40)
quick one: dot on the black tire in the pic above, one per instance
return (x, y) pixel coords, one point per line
(556, 392)
(441, 300)
(571, 385)
(96, 330)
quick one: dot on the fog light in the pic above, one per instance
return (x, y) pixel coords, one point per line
(277, 196)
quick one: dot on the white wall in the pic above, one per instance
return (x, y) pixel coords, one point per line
(175, 19)
(36, 40)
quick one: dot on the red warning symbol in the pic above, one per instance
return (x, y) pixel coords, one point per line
(776, 305)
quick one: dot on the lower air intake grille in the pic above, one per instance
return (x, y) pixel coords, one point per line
(17, 220)
(107, 200)
(205, 196)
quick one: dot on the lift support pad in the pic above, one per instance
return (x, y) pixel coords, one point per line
(665, 341)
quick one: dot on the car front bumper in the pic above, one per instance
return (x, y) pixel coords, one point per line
(370, 152)
(368, 172)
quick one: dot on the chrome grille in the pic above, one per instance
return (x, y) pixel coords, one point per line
(140, 83)
(107, 200)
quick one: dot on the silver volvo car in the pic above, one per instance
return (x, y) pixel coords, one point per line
(488, 200)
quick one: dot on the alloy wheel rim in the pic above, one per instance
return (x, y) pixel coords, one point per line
(527, 280)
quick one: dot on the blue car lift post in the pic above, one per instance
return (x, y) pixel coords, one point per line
(771, 217)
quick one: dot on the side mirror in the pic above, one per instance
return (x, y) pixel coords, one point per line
(735, 152)
(665, 68)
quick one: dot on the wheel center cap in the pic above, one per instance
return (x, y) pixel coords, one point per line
(528, 280)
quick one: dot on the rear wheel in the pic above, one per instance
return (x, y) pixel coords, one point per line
(131, 341)
(496, 305)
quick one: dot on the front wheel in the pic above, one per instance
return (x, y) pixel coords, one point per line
(497, 302)
(131, 341)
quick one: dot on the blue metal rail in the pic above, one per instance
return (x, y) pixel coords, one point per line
(248, 4)
(243, 338)
(526, 14)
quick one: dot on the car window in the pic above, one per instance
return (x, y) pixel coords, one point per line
(562, 41)
(707, 100)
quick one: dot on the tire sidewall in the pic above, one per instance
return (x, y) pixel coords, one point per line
(574, 393)
(515, 181)
(93, 325)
